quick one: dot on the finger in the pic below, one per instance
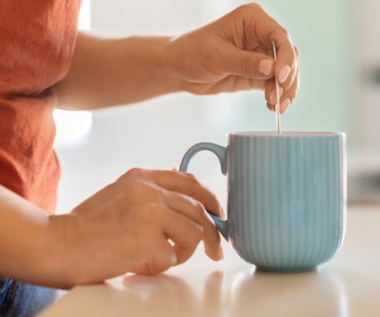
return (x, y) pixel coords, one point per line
(290, 79)
(267, 29)
(195, 211)
(247, 64)
(271, 31)
(155, 258)
(232, 83)
(186, 183)
(297, 53)
(290, 94)
(293, 73)
(270, 94)
(286, 56)
(184, 232)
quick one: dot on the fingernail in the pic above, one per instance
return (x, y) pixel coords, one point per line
(284, 73)
(223, 213)
(270, 107)
(285, 104)
(272, 98)
(265, 66)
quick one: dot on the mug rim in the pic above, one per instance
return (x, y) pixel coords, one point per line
(286, 133)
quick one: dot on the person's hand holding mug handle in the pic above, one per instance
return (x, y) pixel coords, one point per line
(235, 53)
(145, 222)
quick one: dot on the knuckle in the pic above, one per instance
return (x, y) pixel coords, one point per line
(246, 66)
(135, 172)
(136, 188)
(246, 8)
(250, 6)
(296, 51)
(278, 32)
(284, 31)
(197, 234)
(199, 207)
(192, 179)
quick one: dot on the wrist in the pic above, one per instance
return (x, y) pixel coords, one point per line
(168, 58)
(59, 260)
(175, 61)
(31, 244)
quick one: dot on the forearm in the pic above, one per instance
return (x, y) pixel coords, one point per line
(107, 72)
(31, 250)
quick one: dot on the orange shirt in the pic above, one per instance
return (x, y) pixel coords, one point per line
(37, 39)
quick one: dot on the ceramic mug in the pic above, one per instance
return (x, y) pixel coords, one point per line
(286, 196)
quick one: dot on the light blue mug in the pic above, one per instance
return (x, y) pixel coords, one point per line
(286, 196)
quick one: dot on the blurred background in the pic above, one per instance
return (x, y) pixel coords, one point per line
(340, 91)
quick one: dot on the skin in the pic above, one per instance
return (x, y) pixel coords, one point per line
(147, 220)
(223, 56)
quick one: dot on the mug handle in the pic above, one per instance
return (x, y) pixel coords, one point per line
(221, 153)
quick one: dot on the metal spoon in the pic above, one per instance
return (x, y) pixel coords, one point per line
(277, 106)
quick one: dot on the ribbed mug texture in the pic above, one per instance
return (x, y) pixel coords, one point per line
(287, 201)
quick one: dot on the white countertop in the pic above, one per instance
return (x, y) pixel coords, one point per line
(348, 285)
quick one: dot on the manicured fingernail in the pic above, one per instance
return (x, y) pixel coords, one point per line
(270, 107)
(265, 66)
(284, 105)
(284, 73)
(272, 98)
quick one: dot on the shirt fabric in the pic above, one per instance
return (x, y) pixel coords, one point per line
(37, 39)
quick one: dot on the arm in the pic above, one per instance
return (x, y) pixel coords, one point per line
(109, 72)
(30, 249)
(230, 54)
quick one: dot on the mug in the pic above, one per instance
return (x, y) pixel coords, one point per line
(286, 209)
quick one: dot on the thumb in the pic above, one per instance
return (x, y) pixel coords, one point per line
(249, 64)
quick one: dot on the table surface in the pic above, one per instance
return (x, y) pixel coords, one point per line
(348, 285)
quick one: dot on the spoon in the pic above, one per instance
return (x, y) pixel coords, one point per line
(277, 106)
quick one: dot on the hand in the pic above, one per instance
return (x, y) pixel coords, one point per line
(145, 222)
(235, 53)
